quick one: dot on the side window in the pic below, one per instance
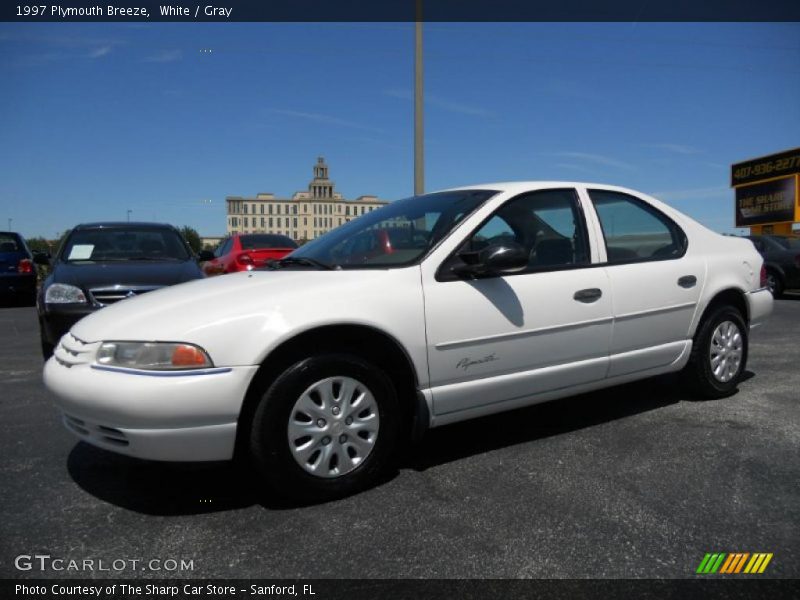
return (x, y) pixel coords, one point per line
(548, 224)
(223, 248)
(635, 231)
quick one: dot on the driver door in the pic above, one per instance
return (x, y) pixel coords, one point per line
(502, 338)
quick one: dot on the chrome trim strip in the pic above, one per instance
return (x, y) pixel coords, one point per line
(655, 311)
(526, 332)
(183, 373)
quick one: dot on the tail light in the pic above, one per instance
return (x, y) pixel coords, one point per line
(25, 266)
(763, 278)
(245, 260)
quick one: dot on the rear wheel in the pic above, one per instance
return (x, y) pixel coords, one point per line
(326, 428)
(719, 353)
(774, 283)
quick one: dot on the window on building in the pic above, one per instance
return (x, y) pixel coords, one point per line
(305, 220)
(287, 221)
(262, 222)
(295, 222)
(270, 222)
(262, 208)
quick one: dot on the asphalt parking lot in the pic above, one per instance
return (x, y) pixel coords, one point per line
(637, 481)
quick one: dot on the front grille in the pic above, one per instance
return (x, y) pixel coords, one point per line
(98, 433)
(111, 295)
(72, 351)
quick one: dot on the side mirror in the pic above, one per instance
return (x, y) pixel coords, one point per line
(41, 258)
(205, 255)
(502, 259)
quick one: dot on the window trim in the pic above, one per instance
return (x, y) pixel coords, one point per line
(675, 229)
(444, 275)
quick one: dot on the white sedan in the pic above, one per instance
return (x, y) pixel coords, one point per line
(431, 310)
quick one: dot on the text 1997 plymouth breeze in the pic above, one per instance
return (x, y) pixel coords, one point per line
(465, 302)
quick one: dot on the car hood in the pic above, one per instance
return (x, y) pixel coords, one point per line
(238, 316)
(90, 275)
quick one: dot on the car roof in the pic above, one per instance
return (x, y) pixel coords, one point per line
(123, 225)
(522, 186)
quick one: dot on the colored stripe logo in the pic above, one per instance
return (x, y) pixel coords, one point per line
(734, 563)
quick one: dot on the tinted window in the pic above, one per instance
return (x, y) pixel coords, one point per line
(548, 224)
(253, 242)
(117, 244)
(10, 242)
(787, 243)
(223, 248)
(634, 230)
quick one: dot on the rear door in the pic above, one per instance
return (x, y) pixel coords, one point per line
(655, 281)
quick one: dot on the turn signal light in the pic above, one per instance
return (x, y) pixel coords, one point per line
(25, 266)
(188, 356)
(763, 278)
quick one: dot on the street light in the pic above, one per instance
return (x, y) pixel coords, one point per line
(419, 158)
(129, 215)
(9, 223)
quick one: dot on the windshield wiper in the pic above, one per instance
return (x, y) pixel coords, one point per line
(159, 258)
(301, 260)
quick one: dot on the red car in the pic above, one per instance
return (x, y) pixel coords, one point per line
(247, 251)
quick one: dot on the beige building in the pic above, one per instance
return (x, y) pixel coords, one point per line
(304, 216)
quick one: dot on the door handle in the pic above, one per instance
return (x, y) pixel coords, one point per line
(687, 281)
(588, 295)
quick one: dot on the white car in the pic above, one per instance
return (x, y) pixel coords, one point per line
(431, 310)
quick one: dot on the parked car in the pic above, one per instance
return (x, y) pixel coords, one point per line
(319, 369)
(18, 273)
(782, 261)
(245, 252)
(100, 264)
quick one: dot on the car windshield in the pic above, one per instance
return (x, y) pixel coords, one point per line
(788, 243)
(265, 240)
(396, 235)
(122, 244)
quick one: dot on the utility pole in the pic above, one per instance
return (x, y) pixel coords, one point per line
(419, 139)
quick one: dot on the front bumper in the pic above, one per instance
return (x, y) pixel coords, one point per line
(759, 306)
(185, 416)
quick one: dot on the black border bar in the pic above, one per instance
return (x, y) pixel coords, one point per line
(406, 10)
(707, 587)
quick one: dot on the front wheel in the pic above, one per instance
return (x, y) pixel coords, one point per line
(719, 354)
(325, 428)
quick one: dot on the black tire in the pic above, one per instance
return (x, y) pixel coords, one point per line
(699, 372)
(269, 441)
(774, 283)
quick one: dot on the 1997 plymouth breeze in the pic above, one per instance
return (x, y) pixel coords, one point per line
(494, 297)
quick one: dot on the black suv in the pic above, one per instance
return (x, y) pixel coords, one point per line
(102, 263)
(781, 260)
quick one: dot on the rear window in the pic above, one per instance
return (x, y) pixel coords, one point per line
(10, 242)
(256, 241)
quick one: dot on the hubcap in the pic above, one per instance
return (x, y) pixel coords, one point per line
(726, 351)
(333, 426)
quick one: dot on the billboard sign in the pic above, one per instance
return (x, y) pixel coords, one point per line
(766, 167)
(773, 201)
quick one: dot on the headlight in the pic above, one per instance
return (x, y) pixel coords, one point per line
(61, 293)
(159, 356)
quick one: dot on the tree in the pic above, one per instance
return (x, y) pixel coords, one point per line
(39, 244)
(192, 237)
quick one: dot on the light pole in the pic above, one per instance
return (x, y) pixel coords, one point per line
(129, 215)
(419, 156)
(9, 223)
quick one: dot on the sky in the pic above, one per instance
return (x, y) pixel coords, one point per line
(166, 120)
